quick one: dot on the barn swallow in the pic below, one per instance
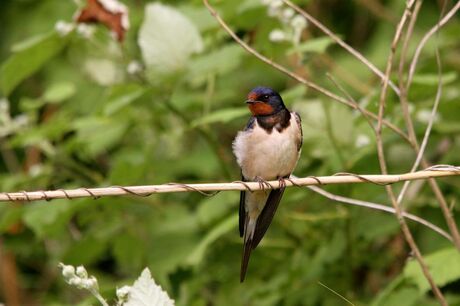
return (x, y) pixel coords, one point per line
(267, 149)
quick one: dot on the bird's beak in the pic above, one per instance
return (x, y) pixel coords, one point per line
(250, 101)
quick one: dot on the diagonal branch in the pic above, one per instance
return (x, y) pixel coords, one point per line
(293, 75)
(426, 37)
(341, 43)
(380, 207)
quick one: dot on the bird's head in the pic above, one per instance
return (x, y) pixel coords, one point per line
(264, 101)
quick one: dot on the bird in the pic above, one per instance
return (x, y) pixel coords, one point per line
(267, 149)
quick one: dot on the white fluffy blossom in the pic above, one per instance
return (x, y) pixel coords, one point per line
(424, 116)
(64, 28)
(277, 35)
(85, 30)
(362, 141)
(134, 67)
(298, 22)
(293, 24)
(287, 14)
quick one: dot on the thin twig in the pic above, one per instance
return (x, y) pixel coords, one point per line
(340, 42)
(402, 61)
(411, 132)
(383, 166)
(434, 111)
(352, 100)
(381, 207)
(426, 37)
(146, 190)
(336, 293)
(293, 75)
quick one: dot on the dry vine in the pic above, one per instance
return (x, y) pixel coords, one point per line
(338, 178)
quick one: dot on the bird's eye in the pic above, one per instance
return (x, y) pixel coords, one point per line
(265, 97)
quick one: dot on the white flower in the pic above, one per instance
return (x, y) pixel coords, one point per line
(90, 283)
(86, 31)
(276, 4)
(35, 171)
(81, 272)
(4, 105)
(134, 67)
(362, 141)
(75, 281)
(123, 292)
(277, 35)
(63, 28)
(298, 22)
(288, 13)
(68, 271)
(273, 11)
(21, 120)
(424, 116)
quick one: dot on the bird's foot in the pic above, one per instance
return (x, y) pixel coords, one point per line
(282, 182)
(262, 183)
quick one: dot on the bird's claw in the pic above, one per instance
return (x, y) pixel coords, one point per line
(282, 182)
(262, 183)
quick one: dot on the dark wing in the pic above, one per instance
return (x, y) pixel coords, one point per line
(244, 219)
(242, 211)
(247, 248)
(266, 216)
(299, 124)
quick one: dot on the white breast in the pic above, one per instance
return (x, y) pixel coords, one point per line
(267, 155)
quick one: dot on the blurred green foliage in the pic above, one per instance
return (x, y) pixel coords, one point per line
(86, 111)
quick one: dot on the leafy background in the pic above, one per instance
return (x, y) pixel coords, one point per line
(72, 115)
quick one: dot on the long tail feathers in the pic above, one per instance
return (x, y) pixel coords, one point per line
(266, 216)
(247, 248)
(249, 229)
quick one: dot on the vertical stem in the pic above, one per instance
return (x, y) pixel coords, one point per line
(383, 166)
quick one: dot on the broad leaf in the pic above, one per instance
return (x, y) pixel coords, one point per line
(167, 38)
(146, 292)
(28, 60)
(444, 266)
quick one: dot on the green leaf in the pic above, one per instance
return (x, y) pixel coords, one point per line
(9, 216)
(341, 121)
(123, 95)
(214, 208)
(433, 79)
(294, 93)
(85, 251)
(406, 296)
(224, 115)
(215, 63)
(167, 38)
(47, 219)
(218, 231)
(28, 60)
(316, 45)
(99, 134)
(59, 92)
(126, 251)
(444, 266)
